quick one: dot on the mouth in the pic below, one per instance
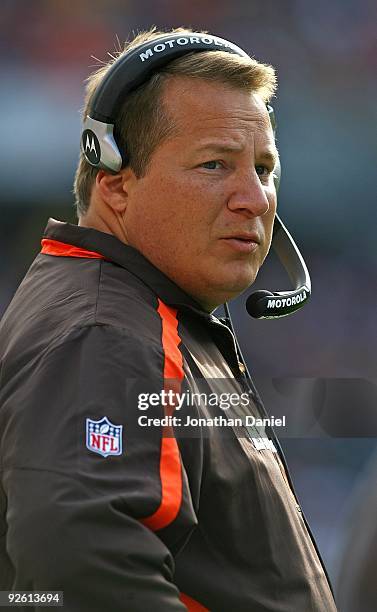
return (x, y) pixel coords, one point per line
(243, 242)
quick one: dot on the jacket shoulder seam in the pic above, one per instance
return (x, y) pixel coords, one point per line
(98, 291)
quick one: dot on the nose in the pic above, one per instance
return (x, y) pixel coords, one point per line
(248, 195)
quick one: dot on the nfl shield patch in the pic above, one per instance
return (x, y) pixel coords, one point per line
(103, 437)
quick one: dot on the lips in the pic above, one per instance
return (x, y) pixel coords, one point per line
(244, 236)
(244, 242)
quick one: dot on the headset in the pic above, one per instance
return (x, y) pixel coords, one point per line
(98, 145)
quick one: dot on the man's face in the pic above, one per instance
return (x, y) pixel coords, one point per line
(204, 211)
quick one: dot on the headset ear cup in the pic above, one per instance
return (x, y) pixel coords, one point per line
(90, 147)
(99, 146)
(277, 169)
(277, 175)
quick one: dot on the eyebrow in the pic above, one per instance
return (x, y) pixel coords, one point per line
(237, 148)
(268, 156)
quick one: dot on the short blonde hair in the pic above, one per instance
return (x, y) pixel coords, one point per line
(143, 122)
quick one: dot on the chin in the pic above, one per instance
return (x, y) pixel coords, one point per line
(231, 288)
(215, 288)
(241, 281)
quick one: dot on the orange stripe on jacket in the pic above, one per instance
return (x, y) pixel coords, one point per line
(191, 604)
(170, 460)
(61, 249)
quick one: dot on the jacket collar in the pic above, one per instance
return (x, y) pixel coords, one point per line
(112, 249)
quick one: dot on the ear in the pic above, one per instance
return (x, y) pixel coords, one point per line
(115, 189)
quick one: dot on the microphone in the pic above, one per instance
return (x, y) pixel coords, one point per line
(264, 304)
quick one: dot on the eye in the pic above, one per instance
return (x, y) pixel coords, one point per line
(214, 164)
(262, 170)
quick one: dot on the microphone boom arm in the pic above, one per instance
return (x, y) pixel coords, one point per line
(272, 305)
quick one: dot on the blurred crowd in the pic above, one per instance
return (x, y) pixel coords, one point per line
(325, 53)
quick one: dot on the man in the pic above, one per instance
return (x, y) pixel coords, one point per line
(112, 326)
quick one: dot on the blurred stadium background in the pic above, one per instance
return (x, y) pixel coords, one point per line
(322, 360)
